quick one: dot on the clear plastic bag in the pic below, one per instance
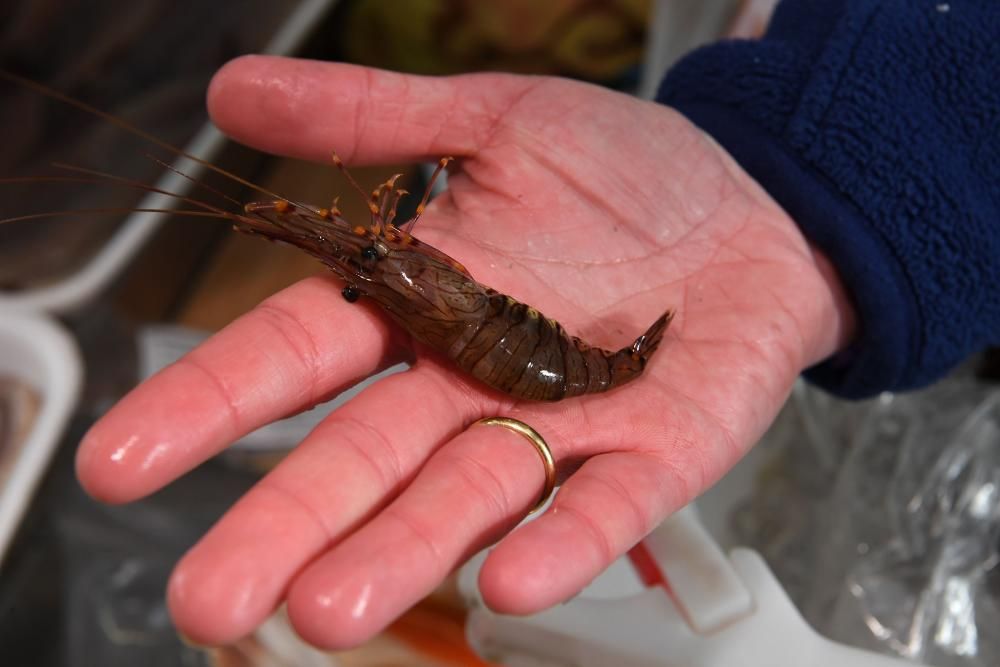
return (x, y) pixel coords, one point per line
(889, 519)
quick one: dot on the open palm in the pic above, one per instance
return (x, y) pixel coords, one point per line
(601, 211)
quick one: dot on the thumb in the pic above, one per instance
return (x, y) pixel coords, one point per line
(307, 109)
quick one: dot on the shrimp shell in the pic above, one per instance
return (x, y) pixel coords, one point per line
(496, 339)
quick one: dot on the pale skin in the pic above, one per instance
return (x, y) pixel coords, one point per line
(600, 210)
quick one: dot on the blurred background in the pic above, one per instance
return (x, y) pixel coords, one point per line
(879, 518)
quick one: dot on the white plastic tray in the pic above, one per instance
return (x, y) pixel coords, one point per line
(37, 351)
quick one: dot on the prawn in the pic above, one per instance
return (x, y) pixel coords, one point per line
(504, 343)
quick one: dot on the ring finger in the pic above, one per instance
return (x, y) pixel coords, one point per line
(473, 490)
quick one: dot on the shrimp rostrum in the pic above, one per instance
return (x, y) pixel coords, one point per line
(502, 342)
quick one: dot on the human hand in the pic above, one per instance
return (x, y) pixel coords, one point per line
(600, 210)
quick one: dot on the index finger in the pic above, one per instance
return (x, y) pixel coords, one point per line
(287, 354)
(307, 108)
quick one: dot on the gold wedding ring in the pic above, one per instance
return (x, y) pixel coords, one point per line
(538, 442)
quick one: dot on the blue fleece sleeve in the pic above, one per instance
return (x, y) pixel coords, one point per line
(876, 125)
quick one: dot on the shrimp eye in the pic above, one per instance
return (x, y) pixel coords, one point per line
(369, 254)
(350, 293)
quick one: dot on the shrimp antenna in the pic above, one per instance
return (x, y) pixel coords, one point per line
(195, 181)
(387, 189)
(109, 211)
(100, 176)
(371, 200)
(395, 202)
(132, 129)
(350, 179)
(442, 163)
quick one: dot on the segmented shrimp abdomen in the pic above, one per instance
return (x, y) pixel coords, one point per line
(521, 352)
